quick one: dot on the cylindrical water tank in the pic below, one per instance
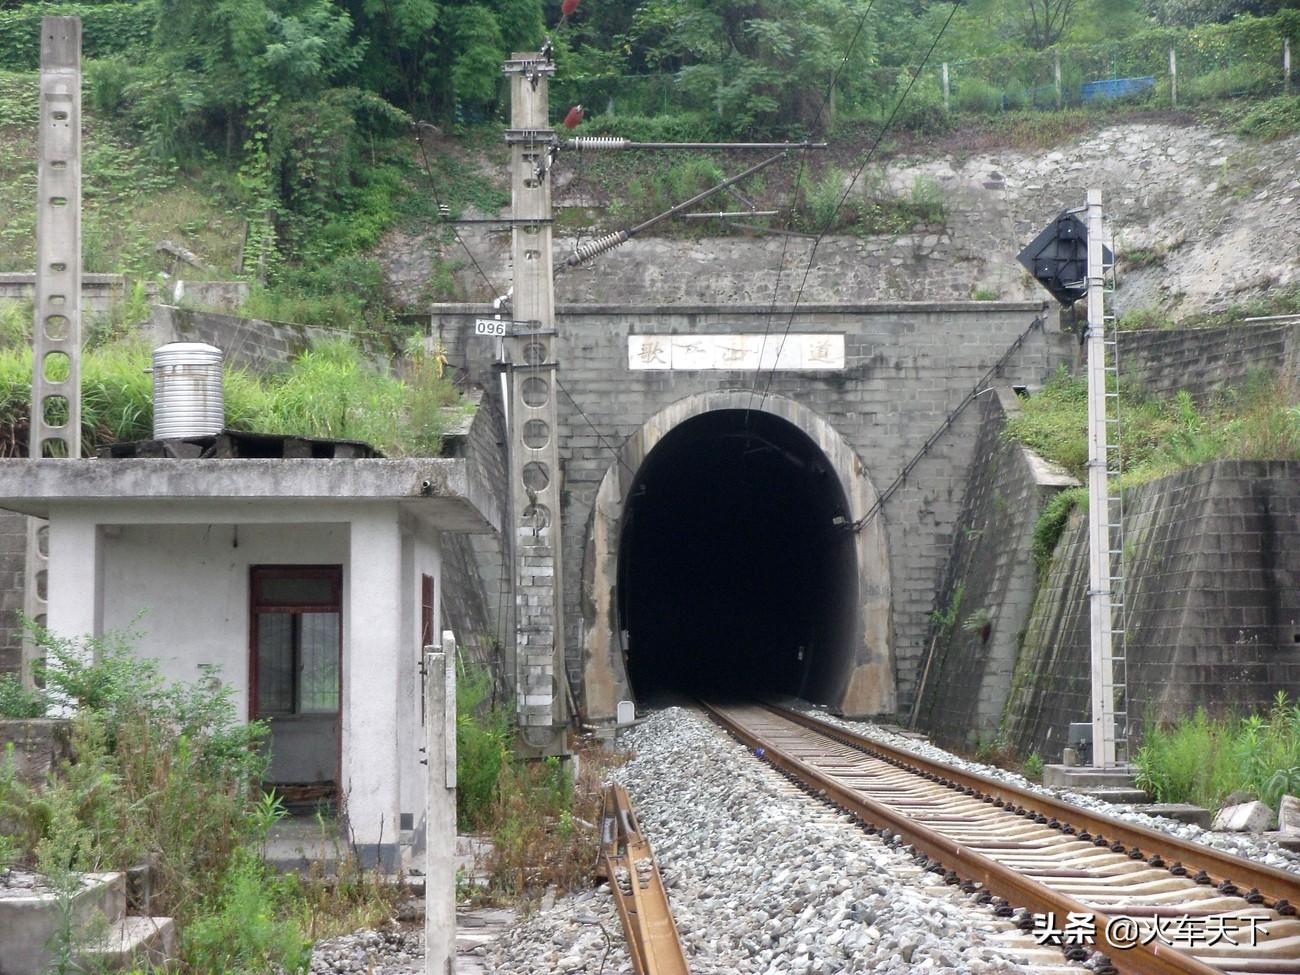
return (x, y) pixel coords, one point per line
(187, 393)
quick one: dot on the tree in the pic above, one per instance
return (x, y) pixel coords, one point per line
(1044, 22)
(761, 65)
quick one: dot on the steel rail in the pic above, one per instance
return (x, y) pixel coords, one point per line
(1278, 886)
(628, 863)
(997, 878)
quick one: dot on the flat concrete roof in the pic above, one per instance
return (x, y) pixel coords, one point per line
(447, 492)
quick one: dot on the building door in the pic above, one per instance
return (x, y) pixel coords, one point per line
(296, 674)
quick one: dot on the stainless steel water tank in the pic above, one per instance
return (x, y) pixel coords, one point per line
(187, 394)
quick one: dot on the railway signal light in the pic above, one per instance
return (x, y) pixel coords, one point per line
(1058, 258)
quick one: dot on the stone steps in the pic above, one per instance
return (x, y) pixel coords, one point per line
(106, 937)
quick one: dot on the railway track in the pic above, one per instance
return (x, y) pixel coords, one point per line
(1148, 902)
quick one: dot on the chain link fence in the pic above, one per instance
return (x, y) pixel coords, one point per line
(1158, 68)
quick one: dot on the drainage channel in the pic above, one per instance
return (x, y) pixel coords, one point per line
(1148, 902)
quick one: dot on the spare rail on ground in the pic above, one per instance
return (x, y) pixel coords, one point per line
(629, 865)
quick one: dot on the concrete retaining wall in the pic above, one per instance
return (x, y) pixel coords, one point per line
(250, 343)
(1205, 361)
(476, 585)
(40, 744)
(1214, 552)
(992, 570)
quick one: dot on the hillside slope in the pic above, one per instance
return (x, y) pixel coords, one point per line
(1201, 218)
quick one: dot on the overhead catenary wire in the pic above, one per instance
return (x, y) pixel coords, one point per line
(443, 211)
(830, 220)
(594, 429)
(798, 178)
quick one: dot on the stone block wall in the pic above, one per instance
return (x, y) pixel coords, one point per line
(1213, 554)
(969, 671)
(250, 343)
(1205, 361)
(475, 579)
(907, 366)
(13, 561)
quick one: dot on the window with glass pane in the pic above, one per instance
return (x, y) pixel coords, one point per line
(296, 638)
(318, 672)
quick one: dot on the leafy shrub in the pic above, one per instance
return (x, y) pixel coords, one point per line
(1242, 78)
(16, 701)
(242, 929)
(160, 769)
(1051, 524)
(1033, 767)
(483, 749)
(976, 95)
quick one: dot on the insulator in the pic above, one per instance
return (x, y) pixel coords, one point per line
(598, 142)
(598, 246)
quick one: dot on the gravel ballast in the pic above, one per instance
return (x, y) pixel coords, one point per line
(761, 878)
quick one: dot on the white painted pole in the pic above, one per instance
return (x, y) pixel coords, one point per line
(945, 86)
(1173, 78)
(440, 819)
(1286, 64)
(1056, 75)
(1099, 556)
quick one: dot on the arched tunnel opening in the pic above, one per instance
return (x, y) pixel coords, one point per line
(737, 572)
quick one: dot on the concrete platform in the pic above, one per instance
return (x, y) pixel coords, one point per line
(1109, 785)
(301, 844)
(1082, 777)
(104, 937)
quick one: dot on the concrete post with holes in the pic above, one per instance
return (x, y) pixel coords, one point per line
(440, 821)
(541, 704)
(55, 427)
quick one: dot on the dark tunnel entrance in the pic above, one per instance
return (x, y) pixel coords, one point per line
(736, 575)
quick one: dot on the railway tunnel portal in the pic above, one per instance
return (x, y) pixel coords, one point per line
(726, 556)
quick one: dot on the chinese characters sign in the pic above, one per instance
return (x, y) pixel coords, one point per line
(798, 351)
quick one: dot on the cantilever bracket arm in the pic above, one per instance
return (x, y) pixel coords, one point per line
(608, 242)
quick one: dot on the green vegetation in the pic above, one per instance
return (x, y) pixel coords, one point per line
(1272, 119)
(1259, 420)
(1203, 759)
(1033, 767)
(329, 391)
(541, 822)
(169, 773)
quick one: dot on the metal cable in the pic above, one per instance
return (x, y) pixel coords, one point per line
(830, 220)
(980, 387)
(433, 188)
(798, 178)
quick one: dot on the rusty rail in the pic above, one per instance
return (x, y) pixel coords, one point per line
(977, 858)
(1280, 887)
(628, 864)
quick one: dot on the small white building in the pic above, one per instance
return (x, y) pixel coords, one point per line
(311, 584)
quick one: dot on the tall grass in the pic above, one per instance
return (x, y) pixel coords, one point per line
(1203, 759)
(330, 391)
(1258, 420)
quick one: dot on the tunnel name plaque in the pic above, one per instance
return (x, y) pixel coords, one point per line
(798, 352)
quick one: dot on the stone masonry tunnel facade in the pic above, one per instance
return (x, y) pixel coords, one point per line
(679, 452)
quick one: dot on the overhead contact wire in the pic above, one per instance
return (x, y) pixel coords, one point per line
(830, 220)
